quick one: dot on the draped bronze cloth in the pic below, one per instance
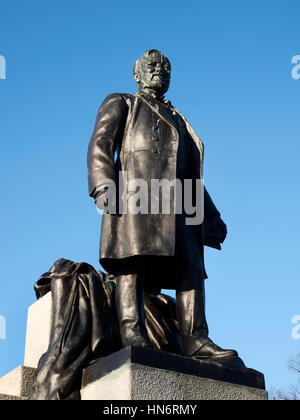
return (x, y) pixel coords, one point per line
(85, 327)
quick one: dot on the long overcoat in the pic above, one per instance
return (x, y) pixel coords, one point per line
(134, 133)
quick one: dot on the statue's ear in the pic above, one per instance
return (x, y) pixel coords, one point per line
(137, 77)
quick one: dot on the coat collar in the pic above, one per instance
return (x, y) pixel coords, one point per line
(160, 107)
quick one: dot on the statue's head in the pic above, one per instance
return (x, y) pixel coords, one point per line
(152, 71)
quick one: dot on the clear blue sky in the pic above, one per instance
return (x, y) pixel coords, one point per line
(231, 78)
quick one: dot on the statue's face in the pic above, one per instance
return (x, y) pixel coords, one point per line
(154, 73)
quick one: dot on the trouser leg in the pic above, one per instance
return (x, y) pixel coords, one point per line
(130, 310)
(190, 308)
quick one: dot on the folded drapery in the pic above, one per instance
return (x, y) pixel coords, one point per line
(85, 327)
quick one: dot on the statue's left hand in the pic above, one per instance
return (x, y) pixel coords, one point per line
(215, 232)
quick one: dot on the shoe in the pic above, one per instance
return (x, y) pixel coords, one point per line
(210, 351)
(140, 342)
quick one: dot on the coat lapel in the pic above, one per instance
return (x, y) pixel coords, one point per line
(162, 111)
(196, 140)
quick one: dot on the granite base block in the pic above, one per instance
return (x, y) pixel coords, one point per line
(144, 374)
(5, 397)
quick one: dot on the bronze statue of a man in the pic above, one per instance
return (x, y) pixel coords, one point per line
(145, 137)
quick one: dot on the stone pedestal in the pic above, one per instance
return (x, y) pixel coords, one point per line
(38, 330)
(135, 373)
(145, 374)
(17, 383)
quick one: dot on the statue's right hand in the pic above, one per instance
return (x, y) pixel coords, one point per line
(105, 199)
(101, 199)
